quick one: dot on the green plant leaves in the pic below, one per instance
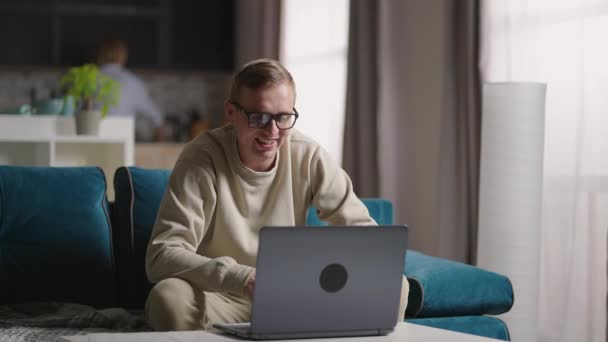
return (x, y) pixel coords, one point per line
(87, 84)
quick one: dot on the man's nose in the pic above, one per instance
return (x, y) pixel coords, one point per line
(272, 126)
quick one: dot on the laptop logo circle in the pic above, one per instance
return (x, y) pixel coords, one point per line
(333, 278)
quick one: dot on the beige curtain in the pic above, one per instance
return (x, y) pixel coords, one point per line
(412, 121)
(258, 30)
(461, 127)
(360, 153)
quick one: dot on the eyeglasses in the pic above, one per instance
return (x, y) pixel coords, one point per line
(262, 119)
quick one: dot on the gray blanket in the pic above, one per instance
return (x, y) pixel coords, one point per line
(48, 321)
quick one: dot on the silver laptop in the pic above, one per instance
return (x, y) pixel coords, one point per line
(325, 282)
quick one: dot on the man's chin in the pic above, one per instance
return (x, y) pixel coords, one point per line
(266, 157)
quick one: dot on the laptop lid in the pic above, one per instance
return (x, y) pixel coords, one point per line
(328, 279)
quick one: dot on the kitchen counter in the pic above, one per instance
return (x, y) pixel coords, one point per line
(157, 155)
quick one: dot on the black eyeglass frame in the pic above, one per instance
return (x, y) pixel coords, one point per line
(273, 117)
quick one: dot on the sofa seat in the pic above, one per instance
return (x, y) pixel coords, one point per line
(491, 327)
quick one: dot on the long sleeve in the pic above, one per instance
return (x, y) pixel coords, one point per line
(181, 226)
(333, 193)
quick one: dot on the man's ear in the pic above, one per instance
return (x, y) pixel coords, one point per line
(229, 110)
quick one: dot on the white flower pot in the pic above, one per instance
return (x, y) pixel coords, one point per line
(87, 122)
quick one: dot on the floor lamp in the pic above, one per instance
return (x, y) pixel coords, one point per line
(510, 195)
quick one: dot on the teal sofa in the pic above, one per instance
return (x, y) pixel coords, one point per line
(62, 241)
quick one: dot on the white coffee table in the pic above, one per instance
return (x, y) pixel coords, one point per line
(404, 332)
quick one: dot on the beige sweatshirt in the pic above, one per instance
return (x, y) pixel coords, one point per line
(209, 220)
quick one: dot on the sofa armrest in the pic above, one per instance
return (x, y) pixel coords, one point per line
(138, 195)
(449, 288)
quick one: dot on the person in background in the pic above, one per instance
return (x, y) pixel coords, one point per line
(229, 182)
(134, 97)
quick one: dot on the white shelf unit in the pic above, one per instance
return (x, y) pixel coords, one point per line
(52, 141)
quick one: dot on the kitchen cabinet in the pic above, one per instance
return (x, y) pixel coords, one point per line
(52, 141)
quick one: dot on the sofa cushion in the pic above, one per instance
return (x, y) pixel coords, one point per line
(138, 194)
(456, 289)
(477, 325)
(55, 236)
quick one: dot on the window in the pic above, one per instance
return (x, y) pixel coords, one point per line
(314, 47)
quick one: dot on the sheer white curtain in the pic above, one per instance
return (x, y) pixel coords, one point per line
(314, 46)
(563, 43)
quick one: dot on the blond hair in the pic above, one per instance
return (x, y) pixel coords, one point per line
(258, 74)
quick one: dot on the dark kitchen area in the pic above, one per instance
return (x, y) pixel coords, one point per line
(183, 51)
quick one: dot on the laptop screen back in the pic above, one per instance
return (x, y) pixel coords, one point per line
(323, 279)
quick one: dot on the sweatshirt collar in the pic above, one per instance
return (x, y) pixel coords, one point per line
(244, 171)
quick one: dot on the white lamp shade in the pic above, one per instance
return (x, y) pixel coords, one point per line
(510, 195)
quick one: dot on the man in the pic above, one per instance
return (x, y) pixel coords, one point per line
(227, 184)
(134, 97)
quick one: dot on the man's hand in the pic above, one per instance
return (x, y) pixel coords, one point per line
(249, 285)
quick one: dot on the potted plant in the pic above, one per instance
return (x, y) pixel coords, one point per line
(91, 90)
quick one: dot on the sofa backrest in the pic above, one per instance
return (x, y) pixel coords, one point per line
(380, 209)
(138, 193)
(55, 237)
